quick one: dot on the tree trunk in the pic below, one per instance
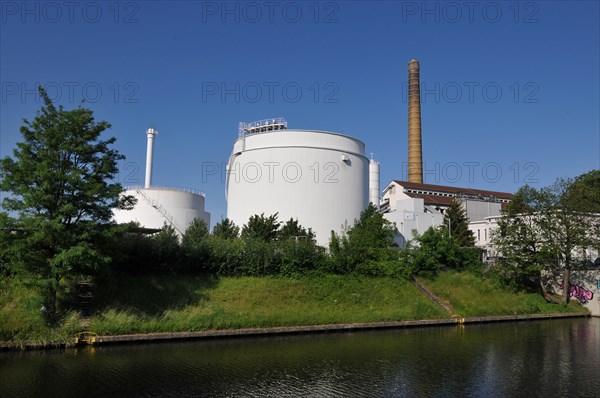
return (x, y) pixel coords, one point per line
(566, 286)
(51, 302)
(548, 297)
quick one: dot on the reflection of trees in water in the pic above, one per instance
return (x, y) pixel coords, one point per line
(551, 358)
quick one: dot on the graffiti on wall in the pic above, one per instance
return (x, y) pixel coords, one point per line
(579, 292)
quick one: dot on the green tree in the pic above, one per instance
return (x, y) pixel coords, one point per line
(549, 231)
(293, 230)
(195, 251)
(434, 251)
(62, 187)
(456, 223)
(195, 233)
(261, 227)
(369, 239)
(519, 241)
(226, 229)
(584, 192)
(166, 249)
(566, 228)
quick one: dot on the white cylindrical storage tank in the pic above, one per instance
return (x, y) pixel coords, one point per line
(374, 182)
(157, 205)
(317, 177)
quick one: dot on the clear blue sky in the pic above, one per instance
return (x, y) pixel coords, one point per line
(513, 90)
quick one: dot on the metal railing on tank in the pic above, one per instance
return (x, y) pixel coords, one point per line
(179, 189)
(262, 126)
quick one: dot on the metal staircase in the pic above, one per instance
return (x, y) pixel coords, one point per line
(161, 209)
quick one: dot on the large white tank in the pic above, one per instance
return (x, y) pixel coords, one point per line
(156, 206)
(318, 177)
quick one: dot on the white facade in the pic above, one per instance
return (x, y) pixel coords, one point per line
(156, 206)
(483, 231)
(411, 215)
(317, 177)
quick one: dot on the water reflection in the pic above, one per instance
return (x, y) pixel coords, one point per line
(542, 358)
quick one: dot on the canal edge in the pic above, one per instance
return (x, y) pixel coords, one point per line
(284, 330)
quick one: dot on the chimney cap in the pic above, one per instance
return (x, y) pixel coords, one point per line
(413, 61)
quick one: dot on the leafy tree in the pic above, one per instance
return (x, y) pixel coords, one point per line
(367, 240)
(519, 241)
(549, 231)
(261, 227)
(62, 184)
(435, 250)
(293, 230)
(133, 251)
(226, 256)
(167, 253)
(565, 226)
(226, 229)
(195, 251)
(584, 192)
(195, 233)
(456, 223)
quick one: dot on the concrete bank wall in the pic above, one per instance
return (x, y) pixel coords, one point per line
(157, 337)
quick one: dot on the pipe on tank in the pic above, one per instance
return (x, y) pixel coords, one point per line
(150, 133)
(374, 183)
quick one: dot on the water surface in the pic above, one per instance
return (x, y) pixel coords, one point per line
(536, 358)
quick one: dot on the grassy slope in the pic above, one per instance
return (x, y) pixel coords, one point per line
(21, 318)
(257, 302)
(175, 303)
(472, 296)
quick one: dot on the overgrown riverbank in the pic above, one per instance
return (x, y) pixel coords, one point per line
(149, 304)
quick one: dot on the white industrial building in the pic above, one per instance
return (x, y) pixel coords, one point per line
(157, 206)
(417, 206)
(320, 178)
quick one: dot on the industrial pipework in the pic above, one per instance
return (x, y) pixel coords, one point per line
(415, 156)
(150, 133)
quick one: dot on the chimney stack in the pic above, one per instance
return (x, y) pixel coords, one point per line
(150, 133)
(415, 156)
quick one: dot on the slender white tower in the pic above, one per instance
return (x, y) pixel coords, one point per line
(150, 133)
(374, 182)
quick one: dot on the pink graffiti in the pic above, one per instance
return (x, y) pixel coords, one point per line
(579, 292)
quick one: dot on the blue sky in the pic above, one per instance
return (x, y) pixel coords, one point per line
(511, 90)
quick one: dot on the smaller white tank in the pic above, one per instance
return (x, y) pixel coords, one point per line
(374, 182)
(156, 206)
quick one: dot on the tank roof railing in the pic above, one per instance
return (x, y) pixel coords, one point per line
(262, 126)
(178, 189)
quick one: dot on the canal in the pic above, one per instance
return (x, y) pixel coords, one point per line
(536, 358)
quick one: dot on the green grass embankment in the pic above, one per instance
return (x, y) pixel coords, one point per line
(173, 304)
(21, 318)
(471, 296)
(149, 304)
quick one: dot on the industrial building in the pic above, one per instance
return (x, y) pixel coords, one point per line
(414, 206)
(157, 206)
(417, 206)
(319, 178)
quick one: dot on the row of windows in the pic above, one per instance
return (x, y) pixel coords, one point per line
(429, 193)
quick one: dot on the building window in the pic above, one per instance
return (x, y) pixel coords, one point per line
(478, 235)
(485, 234)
